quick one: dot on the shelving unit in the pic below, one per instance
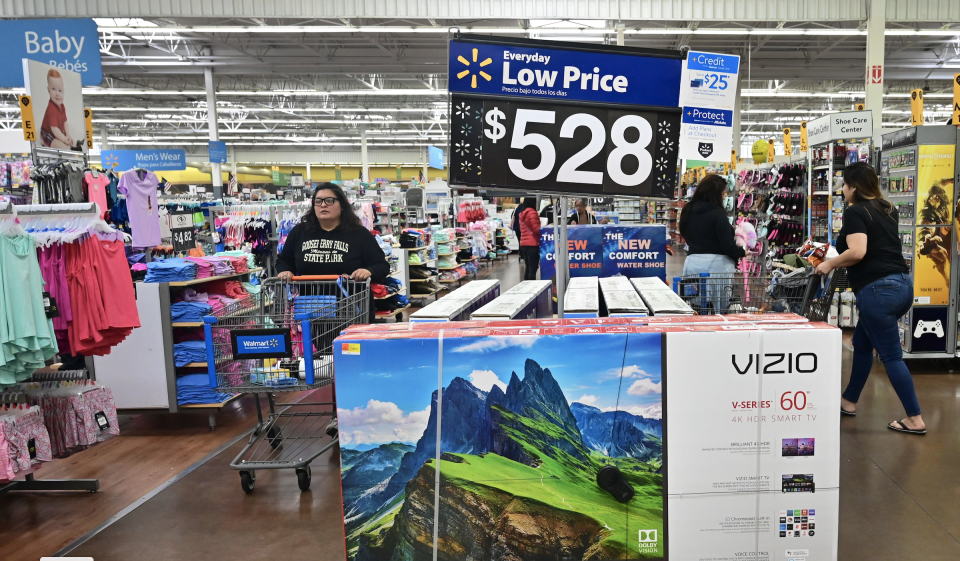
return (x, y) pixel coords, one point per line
(150, 348)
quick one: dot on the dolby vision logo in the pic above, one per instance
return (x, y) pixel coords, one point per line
(648, 536)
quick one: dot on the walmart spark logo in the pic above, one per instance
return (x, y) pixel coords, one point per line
(111, 160)
(473, 78)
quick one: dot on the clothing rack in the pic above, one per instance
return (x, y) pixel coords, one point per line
(29, 482)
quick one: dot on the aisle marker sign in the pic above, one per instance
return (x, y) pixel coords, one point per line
(710, 80)
(787, 143)
(916, 108)
(803, 136)
(771, 151)
(956, 99)
(88, 122)
(860, 107)
(706, 134)
(733, 159)
(26, 119)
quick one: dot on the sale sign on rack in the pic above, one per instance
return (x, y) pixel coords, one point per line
(564, 117)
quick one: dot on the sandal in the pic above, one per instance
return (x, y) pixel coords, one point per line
(904, 428)
(847, 413)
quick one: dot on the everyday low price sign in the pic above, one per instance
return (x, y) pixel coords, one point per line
(564, 117)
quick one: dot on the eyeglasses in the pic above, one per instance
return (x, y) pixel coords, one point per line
(328, 201)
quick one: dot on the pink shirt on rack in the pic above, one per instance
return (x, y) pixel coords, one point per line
(96, 190)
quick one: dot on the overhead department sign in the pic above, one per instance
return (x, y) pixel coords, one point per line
(69, 44)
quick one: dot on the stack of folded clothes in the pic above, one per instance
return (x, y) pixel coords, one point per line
(189, 311)
(221, 266)
(189, 351)
(195, 389)
(171, 270)
(204, 267)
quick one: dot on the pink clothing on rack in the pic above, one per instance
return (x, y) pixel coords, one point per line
(53, 269)
(96, 190)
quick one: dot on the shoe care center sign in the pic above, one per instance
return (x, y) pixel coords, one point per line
(576, 118)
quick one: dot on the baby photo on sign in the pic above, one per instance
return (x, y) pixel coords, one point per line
(57, 98)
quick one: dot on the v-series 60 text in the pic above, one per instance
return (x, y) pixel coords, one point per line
(572, 76)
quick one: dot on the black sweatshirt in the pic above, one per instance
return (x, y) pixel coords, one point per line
(337, 252)
(708, 231)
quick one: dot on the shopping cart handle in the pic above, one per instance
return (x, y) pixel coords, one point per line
(212, 320)
(316, 277)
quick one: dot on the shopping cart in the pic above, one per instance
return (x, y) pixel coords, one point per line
(281, 341)
(800, 291)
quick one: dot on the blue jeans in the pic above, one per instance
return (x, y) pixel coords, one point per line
(880, 304)
(716, 291)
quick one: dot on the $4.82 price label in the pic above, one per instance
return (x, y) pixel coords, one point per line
(564, 147)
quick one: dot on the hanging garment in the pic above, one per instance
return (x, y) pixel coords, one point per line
(27, 337)
(140, 187)
(95, 186)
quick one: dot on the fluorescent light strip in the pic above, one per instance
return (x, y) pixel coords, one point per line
(154, 33)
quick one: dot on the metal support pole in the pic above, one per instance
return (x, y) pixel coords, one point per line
(215, 172)
(563, 258)
(830, 195)
(873, 86)
(364, 162)
(104, 141)
(232, 151)
(309, 180)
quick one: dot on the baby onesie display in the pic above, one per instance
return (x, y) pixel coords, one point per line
(140, 187)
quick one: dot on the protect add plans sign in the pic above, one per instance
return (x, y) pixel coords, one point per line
(840, 126)
(706, 134)
(68, 44)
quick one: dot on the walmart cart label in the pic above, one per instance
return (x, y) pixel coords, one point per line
(261, 343)
(710, 80)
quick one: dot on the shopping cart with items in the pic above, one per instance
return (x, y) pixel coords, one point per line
(800, 291)
(280, 341)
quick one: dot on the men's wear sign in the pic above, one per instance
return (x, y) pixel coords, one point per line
(706, 134)
(606, 251)
(513, 126)
(154, 160)
(66, 44)
(710, 80)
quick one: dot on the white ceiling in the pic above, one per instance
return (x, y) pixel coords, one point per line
(311, 83)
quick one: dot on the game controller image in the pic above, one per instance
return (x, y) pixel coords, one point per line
(924, 327)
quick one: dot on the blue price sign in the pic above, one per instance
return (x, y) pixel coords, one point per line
(565, 71)
(218, 152)
(70, 44)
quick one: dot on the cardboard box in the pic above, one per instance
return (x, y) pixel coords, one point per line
(524, 417)
(664, 302)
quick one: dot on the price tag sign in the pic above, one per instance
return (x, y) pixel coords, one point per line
(560, 147)
(543, 116)
(182, 231)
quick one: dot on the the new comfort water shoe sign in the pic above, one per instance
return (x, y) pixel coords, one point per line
(70, 44)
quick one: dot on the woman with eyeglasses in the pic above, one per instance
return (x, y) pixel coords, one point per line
(330, 240)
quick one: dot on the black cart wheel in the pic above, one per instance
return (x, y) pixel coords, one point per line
(303, 478)
(275, 436)
(247, 480)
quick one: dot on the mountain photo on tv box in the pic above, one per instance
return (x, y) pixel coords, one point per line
(525, 424)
